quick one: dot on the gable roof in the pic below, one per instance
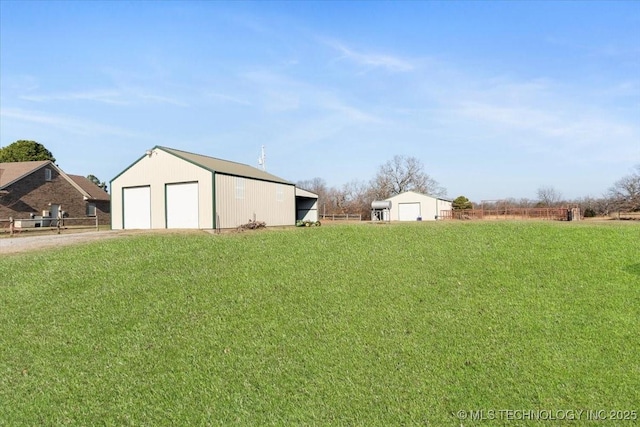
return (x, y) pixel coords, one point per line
(14, 171)
(418, 194)
(93, 191)
(224, 166)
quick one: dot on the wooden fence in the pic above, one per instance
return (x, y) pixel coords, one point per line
(557, 214)
(625, 215)
(341, 217)
(47, 224)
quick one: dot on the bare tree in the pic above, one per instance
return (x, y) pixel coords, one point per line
(525, 203)
(358, 197)
(625, 193)
(591, 207)
(402, 174)
(337, 201)
(317, 186)
(548, 196)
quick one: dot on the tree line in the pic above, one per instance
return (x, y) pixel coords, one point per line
(622, 196)
(406, 173)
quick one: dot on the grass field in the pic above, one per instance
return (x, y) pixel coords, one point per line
(402, 324)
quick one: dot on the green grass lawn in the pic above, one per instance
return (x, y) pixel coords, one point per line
(402, 324)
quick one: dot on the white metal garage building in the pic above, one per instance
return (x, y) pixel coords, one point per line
(169, 188)
(412, 206)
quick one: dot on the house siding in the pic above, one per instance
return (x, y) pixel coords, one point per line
(33, 194)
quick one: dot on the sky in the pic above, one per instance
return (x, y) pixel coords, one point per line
(496, 99)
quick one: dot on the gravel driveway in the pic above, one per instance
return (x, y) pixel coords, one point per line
(42, 241)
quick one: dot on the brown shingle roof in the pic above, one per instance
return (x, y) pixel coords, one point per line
(13, 171)
(95, 192)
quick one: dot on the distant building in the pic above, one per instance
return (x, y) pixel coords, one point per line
(412, 206)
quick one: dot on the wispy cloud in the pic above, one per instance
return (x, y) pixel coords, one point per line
(72, 125)
(350, 112)
(607, 50)
(159, 99)
(575, 127)
(272, 91)
(281, 93)
(371, 59)
(121, 97)
(112, 97)
(626, 88)
(566, 133)
(228, 98)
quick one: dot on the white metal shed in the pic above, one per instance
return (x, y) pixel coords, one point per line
(412, 206)
(169, 188)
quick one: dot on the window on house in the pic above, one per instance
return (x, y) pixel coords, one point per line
(47, 174)
(279, 193)
(91, 209)
(239, 188)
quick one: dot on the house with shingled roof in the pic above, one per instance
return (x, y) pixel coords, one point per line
(40, 189)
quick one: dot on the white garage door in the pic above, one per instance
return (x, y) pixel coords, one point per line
(182, 205)
(408, 211)
(137, 207)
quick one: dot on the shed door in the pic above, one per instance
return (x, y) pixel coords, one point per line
(408, 211)
(182, 205)
(137, 207)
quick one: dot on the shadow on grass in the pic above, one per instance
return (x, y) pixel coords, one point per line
(633, 269)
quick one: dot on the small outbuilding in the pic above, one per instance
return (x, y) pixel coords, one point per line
(169, 188)
(412, 206)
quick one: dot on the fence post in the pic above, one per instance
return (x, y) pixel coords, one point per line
(11, 225)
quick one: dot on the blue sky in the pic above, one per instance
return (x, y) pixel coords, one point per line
(497, 99)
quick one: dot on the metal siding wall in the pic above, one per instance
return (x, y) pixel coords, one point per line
(260, 201)
(116, 207)
(157, 170)
(429, 210)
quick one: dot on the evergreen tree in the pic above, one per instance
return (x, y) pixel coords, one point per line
(25, 151)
